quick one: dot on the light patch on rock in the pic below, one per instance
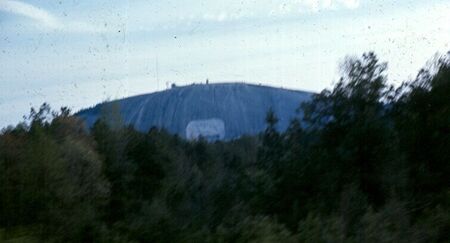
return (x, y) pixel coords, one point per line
(210, 129)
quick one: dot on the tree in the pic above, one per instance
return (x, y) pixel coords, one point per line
(51, 180)
(422, 116)
(270, 151)
(356, 139)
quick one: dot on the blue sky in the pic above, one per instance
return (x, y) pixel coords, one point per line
(78, 53)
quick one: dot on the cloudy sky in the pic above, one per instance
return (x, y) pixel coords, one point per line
(80, 52)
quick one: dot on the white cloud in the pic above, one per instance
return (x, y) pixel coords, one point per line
(317, 5)
(351, 4)
(219, 17)
(292, 7)
(30, 11)
(151, 15)
(46, 19)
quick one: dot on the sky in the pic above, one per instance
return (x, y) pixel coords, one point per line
(77, 53)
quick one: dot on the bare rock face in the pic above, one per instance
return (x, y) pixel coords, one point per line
(210, 129)
(202, 110)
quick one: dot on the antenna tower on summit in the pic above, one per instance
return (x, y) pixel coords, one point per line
(157, 73)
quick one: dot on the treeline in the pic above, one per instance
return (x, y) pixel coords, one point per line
(367, 163)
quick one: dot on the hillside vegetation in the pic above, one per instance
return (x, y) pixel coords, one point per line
(368, 163)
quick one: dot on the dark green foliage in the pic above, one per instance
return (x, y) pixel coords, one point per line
(354, 130)
(423, 121)
(51, 178)
(367, 164)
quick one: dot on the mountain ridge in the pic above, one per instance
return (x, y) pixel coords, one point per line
(242, 108)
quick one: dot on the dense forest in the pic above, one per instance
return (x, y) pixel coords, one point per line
(369, 162)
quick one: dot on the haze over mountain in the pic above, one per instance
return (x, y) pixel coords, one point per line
(221, 111)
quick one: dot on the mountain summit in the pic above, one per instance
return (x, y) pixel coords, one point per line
(214, 111)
